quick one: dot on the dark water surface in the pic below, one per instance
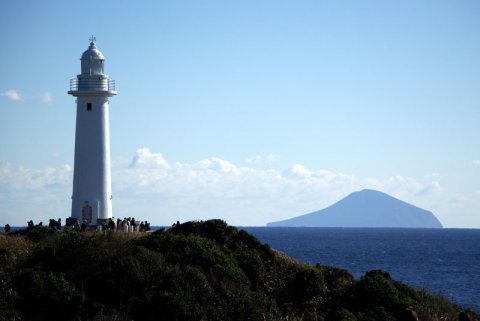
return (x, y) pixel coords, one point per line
(445, 261)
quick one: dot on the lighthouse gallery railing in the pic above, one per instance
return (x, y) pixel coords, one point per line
(92, 84)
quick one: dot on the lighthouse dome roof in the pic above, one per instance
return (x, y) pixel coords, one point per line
(92, 53)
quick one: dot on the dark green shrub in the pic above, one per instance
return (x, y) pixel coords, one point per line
(306, 283)
(47, 295)
(215, 230)
(252, 265)
(336, 280)
(244, 239)
(376, 296)
(40, 233)
(376, 313)
(345, 315)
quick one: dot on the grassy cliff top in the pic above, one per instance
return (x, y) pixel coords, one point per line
(193, 271)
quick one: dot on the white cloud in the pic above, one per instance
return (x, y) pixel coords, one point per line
(24, 179)
(145, 159)
(403, 187)
(15, 95)
(34, 193)
(12, 94)
(299, 171)
(46, 98)
(217, 176)
(433, 187)
(476, 162)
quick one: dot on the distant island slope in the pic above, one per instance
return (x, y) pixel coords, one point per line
(366, 208)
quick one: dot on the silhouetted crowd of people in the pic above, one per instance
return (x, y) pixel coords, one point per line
(126, 225)
(30, 225)
(55, 224)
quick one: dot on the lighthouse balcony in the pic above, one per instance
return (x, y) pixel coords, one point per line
(92, 85)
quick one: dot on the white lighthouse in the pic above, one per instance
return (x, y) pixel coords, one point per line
(92, 187)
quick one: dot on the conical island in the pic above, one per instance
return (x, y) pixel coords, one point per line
(366, 208)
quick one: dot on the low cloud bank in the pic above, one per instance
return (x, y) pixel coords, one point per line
(162, 191)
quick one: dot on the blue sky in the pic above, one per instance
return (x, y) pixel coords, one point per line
(250, 111)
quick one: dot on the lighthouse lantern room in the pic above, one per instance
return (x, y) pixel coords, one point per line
(92, 190)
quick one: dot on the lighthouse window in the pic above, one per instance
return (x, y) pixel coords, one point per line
(89, 106)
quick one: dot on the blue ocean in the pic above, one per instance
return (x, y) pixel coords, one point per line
(445, 261)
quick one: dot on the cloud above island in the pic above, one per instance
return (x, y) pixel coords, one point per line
(155, 171)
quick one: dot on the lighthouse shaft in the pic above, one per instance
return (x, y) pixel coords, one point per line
(92, 191)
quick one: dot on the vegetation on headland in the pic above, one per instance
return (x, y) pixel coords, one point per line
(193, 271)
